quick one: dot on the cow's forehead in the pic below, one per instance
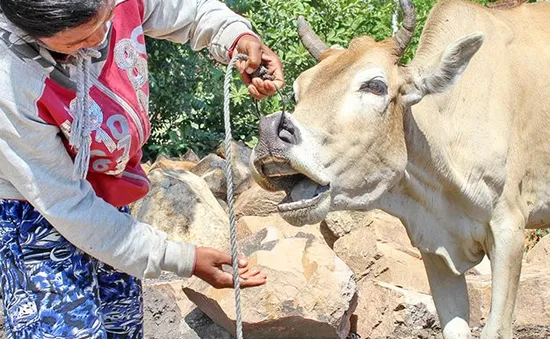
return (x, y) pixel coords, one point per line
(338, 64)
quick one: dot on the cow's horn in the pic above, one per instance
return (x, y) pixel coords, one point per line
(314, 45)
(404, 34)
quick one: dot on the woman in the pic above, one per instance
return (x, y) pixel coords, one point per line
(73, 119)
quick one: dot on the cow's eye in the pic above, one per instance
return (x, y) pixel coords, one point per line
(377, 87)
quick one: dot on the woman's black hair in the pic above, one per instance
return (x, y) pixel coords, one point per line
(45, 18)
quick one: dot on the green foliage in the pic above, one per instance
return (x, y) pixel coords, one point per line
(186, 106)
(187, 86)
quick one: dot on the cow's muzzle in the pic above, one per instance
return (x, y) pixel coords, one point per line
(277, 168)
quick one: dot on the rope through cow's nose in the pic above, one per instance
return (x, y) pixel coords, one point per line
(263, 73)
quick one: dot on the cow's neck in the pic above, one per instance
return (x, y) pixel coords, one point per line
(434, 217)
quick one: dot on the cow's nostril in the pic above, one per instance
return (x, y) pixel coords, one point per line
(286, 124)
(286, 136)
(286, 131)
(279, 130)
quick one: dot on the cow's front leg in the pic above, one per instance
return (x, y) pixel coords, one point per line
(505, 250)
(450, 295)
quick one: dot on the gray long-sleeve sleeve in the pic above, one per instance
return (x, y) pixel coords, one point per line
(204, 23)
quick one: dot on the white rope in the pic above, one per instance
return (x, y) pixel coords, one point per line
(80, 137)
(230, 193)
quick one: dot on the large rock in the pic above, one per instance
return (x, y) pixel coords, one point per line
(532, 306)
(387, 311)
(540, 253)
(146, 166)
(171, 164)
(256, 201)
(190, 155)
(338, 224)
(168, 314)
(240, 154)
(310, 291)
(276, 226)
(341, 223)
(181, 204)
(210, 169)
(382, 252)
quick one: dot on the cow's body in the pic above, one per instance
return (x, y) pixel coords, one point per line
(481, 150)
(466, 168)
(494, 139)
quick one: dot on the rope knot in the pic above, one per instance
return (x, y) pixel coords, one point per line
(89, 53)
(81, 127)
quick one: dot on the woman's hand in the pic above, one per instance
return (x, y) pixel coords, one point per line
(258, 52)
(208, 267)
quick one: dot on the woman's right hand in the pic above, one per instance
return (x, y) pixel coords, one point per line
(208, 267)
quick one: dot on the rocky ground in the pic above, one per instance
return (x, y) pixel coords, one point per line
(164, 322)
(521, 332)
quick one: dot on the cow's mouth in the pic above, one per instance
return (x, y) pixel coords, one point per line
(305, 191)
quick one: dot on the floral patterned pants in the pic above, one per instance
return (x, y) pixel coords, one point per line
(50, 289)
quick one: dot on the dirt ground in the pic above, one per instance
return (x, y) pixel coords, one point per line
(530, 332)
(163, 322)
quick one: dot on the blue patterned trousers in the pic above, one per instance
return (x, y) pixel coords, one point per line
(50, 289)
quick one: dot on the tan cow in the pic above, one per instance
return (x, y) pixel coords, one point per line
(456, 144)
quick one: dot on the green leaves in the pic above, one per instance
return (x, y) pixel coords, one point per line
(187, 87)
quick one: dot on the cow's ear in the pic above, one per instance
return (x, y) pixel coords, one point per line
(443, 73)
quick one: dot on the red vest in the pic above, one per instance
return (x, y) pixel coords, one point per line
(119, 109)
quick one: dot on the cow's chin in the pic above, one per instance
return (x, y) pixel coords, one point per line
(308, 211)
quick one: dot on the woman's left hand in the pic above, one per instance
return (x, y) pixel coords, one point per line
(258, 52)
(208, 267)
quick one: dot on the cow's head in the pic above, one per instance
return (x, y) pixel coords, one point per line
(344, 146)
